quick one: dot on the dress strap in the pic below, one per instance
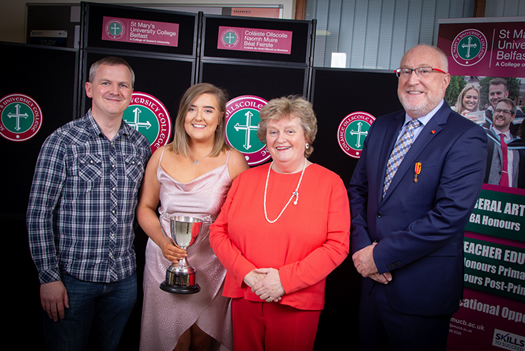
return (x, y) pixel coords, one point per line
(228, 156)
(161, 154)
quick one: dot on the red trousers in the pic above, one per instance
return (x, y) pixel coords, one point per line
(259, 326)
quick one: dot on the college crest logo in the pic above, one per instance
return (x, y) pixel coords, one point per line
(147, 115)
(242, 122)
(352, 132)
(20, 117)
(115, 29)
(469, 47)
(230, 38)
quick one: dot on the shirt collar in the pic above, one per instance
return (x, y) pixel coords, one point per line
(497, 132)
(95, 130)
(424, 119)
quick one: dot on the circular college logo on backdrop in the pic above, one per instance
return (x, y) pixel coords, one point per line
(147, 115)
(352, 132)
(469, 47)
(242, 122)
(21, 117)
(230, 38)
(115, 29)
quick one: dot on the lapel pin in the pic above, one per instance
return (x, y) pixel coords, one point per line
(433, 131)
(417, 171)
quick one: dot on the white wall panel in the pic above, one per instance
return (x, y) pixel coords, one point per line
(375, 34)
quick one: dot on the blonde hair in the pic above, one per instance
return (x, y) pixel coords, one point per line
(290, 107)
(180, 143)
(459, 104)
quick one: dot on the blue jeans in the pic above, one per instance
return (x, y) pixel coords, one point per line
(97, 315)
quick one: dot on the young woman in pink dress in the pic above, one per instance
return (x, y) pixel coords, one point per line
(191, 176)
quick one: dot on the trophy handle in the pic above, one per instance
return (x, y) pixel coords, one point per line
(206, 222)
(162, 216)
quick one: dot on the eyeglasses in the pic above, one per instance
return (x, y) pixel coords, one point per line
(421, 72)
(506, 112)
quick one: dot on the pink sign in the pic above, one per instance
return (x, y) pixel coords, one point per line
(140, 31)
(477, 48)
(256, 40)
(487, 322)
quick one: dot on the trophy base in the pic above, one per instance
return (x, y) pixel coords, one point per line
(176, 289)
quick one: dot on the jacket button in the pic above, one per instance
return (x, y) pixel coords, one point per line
(379, 215)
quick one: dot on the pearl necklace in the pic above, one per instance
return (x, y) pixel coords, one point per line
(295, 193)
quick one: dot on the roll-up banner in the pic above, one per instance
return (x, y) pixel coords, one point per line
(486, 58)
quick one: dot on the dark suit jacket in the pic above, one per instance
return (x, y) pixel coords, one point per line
(517, 144)
(419, 225)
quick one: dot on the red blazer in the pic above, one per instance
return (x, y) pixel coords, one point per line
(308, 241)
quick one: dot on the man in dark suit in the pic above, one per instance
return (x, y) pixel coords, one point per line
(506, 158)
(408, 215)
(498, 89)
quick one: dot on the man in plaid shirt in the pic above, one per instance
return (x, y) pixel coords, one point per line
(80, 216)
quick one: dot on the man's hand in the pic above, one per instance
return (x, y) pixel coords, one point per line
(384, 278)
(365, 265)
(53, 297)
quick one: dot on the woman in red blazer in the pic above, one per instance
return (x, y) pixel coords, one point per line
(283, 228)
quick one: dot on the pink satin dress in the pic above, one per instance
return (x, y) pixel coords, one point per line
(165, 316)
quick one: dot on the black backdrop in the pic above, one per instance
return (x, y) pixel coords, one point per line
(339, 92)
(164, 72)
(92, 29)
(256, 79)
(48, 76)
(165, 78)
(301, 45)
(335, 94)
(55, 78)
(266, 75)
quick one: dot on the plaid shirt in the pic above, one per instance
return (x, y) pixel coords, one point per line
(82, 203)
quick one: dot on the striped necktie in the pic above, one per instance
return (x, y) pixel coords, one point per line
(398, 154)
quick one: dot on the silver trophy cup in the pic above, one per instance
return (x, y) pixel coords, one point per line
(184, 230)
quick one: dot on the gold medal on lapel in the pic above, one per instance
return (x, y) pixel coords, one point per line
(417, 170)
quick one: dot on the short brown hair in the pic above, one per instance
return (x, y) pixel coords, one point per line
(110, 61)
(292, 107)
(499, 81)
(510, 102)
